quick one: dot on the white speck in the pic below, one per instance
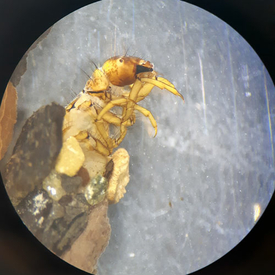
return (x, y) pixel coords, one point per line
(160, 212)
(39, 203)
(51, 190)
(71, 148)
(257, 211)
(198, 106)
(40, 221)
(219, 228)
(131, 255)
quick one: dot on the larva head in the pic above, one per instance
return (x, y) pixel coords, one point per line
(123, 70)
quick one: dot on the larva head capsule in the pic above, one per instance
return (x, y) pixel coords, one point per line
(123, 70)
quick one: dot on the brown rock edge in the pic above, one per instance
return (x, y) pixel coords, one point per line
(8, 114)
(89, 246)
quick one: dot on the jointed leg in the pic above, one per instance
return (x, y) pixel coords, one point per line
(110, 105)
(111, 118)
(132, 99)
(105, 116)
(163, 83)
(148, 114)
(124, 124)
(84, 137)
(123, 132)
(105, 135)
(102, 149)
(145, 91)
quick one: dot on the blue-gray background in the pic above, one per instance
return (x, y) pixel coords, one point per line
(215, 152)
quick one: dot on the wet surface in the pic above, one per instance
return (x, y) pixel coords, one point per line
(212, 159)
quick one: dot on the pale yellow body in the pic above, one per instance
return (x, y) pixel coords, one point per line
(97, 120)
(90, 115)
